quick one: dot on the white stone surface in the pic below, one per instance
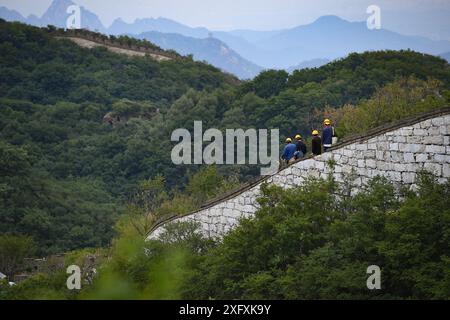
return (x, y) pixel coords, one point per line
(397, 155)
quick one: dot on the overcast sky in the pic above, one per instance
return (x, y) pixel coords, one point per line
(429, 18)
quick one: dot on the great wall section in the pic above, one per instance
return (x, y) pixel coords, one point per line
(85, 43)
(87, 39)
(397, 151)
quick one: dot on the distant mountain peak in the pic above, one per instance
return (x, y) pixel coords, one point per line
(10, 15)
(57, 15)
(329, 19)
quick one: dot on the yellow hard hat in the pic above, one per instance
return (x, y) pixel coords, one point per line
(315, 133)
(298, 137)
(288, 140)
(327, 121)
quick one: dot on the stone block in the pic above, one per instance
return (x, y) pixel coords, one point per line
(438, 140)
(237, 212)
(396, 156)
(433, 131)
(420, 132)
(399, 139)
(290, 180)
(380, 155)
(409, 157)
(397, 167)
(442, 158)
(223, 219)
(320, 165)
(383, 146)
(435, 149)
(382, 165)
(361, 147)
(411, 147)
(408, 177)
(326, 156)
(393, 146)
(298, 181)
(371, 172)
(353, 162)
(371, 163)
(370, 154)
(414, 139)
(361, 171)
(437, 121)
(425, 124)
(237, 207)
(422, 157)
(447, 119)
(394, 176)
(446, 170)
(406, 131)
(359, 154)
(444, 130)
(348, 153)
(338, 177)
(361, 164)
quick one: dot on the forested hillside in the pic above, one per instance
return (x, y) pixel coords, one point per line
(81, 130)
(65, 171)
(287, 102)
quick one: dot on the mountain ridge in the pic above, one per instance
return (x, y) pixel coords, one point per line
(209, 49)
(328, 37)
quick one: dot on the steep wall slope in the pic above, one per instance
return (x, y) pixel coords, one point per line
(397, 152)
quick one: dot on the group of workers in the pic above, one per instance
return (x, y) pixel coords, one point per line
(294, 151)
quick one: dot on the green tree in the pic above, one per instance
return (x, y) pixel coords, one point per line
(13, 251)
(394, 101)
(270, 82)
(307, 243)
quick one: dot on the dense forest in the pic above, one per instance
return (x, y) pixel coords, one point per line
(303, 243)
(86, 132)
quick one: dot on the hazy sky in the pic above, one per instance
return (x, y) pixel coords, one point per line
(418, 17)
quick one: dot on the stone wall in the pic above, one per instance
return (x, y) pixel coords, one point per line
(85, 43)
(397, 153)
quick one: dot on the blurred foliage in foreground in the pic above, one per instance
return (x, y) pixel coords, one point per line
(304, 243)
